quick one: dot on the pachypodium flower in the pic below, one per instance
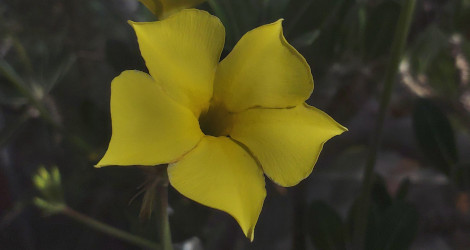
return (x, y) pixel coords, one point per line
(165, 8)
(219, 125)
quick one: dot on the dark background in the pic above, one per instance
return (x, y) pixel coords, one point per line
(65, 53)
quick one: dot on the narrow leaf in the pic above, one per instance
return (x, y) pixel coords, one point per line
(325, 227)
(435, 135)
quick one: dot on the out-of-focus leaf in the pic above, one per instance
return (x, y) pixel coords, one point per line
(395, 229)
(325, 227)
(403, 189)
(431, 55)
(121, 57)
(306, 39)
(238, 17)
(372, 220)
(353, 29)
(426, 47)
(275, 9)
(462, 15)
(380, 28)
(325, 16)
(313, 14)
(7, 132)
(380, 195)
(12, 76)
(462, 176)
(63, 68)
(435, 135)
(387, 219)
(442, 74)
(22, 54)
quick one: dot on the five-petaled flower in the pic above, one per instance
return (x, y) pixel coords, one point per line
(218, 125)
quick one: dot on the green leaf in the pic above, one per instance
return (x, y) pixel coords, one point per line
(306, 39)
(403, 189)
(325, 227)
(462, 15)
(325, 16)
(372, 220)
(12, 128)
(380, 28)
(462, 176)
(275, 8)
(443, 75)
(122, 56)
(59, 72)
(435, 135)
(380, 195)
(14, 78)
(395, 229)
(426, 47)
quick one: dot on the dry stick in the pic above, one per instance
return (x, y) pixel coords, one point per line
(399, 41)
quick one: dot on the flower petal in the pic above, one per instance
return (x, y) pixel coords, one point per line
(164, 8)
(149, 128)
(220, 174)
(263, 70)
(287, 142)
(183, 52)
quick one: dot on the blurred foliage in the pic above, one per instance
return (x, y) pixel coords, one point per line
(58, 57)
(435, 135)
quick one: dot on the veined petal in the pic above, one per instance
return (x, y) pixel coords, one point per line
(263, 70)
(149, 128)
(220, 174)
(287, 142)
(164, 8)
(183, 52)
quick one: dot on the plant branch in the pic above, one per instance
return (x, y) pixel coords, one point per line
(398, 45)
(107, 229)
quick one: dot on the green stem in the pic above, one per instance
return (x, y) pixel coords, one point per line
(163, 221)
(398, 45)
(99, 226)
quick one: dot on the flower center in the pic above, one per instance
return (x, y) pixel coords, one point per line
(217, 121)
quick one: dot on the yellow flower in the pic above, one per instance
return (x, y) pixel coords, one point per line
(218, 125)
(164, 8)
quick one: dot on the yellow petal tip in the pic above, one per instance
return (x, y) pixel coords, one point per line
(342, 128)
(251, 235)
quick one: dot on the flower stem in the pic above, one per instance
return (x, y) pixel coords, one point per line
(99, 226)
(398, 45)
(163, 221)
